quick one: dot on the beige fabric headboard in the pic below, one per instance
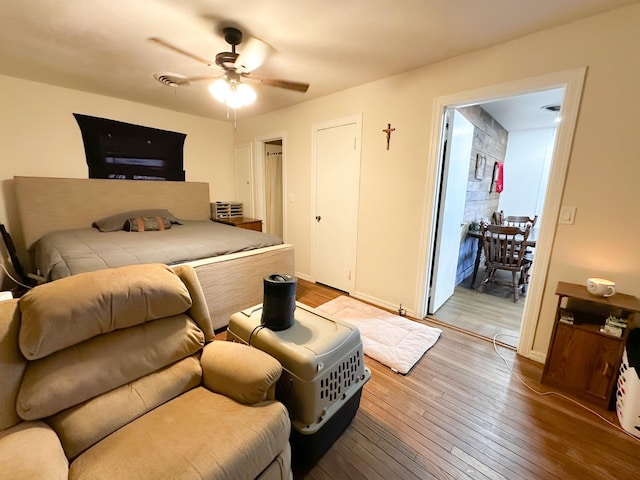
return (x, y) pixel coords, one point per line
(48, 204)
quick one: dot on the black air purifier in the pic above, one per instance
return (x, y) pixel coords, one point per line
(279, 301)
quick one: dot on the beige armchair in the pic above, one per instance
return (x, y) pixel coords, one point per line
(114, 374)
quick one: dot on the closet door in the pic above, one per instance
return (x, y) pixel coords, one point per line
(336, 212)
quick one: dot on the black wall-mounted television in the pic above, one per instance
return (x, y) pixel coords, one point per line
(125, 151)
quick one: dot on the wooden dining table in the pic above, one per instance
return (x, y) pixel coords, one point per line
(477, 235)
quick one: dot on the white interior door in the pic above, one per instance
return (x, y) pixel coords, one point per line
(455, 175)
(337, 171)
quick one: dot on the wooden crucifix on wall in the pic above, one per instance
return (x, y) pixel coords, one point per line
(388, 131)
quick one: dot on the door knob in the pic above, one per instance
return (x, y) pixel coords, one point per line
(318, 218)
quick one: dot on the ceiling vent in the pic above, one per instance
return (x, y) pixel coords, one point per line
(172, 79)
(551, 108)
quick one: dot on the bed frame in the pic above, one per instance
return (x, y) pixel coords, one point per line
(230, 282)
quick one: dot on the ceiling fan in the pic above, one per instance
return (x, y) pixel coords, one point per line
(230, 88)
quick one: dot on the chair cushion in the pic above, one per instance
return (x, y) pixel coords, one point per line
(280, 468)
(198, 435)
(199, 310)
(243, 373)
(32, 451)
(78, 373)
(54, 316)
(12, 363)
(86, 424)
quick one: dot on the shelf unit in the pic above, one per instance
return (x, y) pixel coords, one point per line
(226, 210)
(582, 360)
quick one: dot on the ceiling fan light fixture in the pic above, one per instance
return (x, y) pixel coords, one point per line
(232, 93)
(246, 94)
(229, 89)
(220, 90)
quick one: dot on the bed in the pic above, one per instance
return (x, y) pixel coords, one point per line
(56, 215)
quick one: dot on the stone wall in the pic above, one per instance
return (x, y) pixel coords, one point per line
(490, 140)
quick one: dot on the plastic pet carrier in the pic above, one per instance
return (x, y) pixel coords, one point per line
(323, 373)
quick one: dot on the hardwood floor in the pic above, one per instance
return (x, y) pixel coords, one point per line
(484, 314)
(459, 413)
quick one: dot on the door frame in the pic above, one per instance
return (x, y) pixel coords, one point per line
(315, 128)
(259, 190)
(572, 81)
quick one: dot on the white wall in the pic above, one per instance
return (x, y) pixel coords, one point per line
(392, 198)
(526, 171)
(40, 137)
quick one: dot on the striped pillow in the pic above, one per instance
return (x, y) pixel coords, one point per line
(147, 224)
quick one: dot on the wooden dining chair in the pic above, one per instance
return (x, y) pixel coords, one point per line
(504, 250)
(520, 220)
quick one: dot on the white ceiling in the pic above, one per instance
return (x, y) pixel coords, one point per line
(526, 112)
(102, 46)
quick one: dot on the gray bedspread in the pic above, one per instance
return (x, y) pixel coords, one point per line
(69, 252)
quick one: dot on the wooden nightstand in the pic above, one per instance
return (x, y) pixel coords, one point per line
(242, 222)
(582, 360)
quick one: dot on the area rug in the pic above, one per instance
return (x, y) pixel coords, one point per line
(394, 341)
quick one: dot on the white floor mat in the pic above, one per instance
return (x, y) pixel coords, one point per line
(395, 341)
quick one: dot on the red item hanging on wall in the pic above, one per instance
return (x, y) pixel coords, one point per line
(499, 176)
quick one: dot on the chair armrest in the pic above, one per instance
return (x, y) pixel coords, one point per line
(238, 371)
(30, 451)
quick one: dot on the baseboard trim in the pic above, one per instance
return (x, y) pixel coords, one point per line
(539, 357)
(303, 276)
(383, 304)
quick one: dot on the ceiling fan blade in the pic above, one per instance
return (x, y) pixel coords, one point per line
(199, 79)
(274, 82)
(166, 44)
(254, 53)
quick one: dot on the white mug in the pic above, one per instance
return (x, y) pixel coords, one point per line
(601, 287)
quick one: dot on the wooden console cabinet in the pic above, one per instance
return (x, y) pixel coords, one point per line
(242, 222)
(582, 360)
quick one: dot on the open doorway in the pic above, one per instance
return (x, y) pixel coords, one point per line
(273, 189)
(270, 185)
(571, 81)
(517, 133)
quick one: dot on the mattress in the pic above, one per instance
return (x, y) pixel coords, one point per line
(69, 252)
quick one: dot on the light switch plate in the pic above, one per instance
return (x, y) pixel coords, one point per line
(567, 215)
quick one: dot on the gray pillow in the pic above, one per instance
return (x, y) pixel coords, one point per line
(117, 222)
